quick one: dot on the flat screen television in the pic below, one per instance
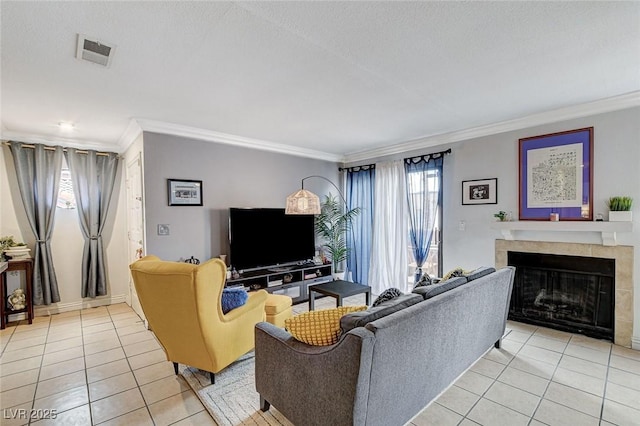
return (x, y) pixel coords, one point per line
(263, 237)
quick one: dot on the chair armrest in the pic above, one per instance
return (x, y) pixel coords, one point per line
(256, 301)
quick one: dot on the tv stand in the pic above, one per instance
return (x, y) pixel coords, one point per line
(291, 280)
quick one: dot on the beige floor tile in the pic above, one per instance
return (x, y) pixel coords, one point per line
(522, 327)
(467, 422)
(201, 419)
(148, 358)
(63, 401)
(546, 343)
(582, 366)
(17, 415)
(474, 382)
(110, 369)
(22, 365)
(139, 417)
(121, 316)
(25, 343)
(533, 366)
(588, 342)
(97, 328)
(518, 336)
(574, 398)
(154, 372)
(514, 398)
(436, 414)
(65, 327)
(526, 381)
(141, 347)
(61, 345)
(17, 396)
(501, 355)
(119, 307)
(99, 336)
(588, 354)
(61, 368)
(79, 416)
(458, 400)
(624, 378)
(551, 413)
(112, 385)
(623, 395)
(60, 384)
(101, 346)
(130, 329)
(104, 357)
(19, 379)
(21, 354)
(580, 381)
(66, 335)
(128, 322)
(29, 334)
(96, 311)
(622, 363)
(619, 414)
(163, 388)
(130, 339)
(175, 408)
(488, 368)
(552, 334)
(625, 352)
(116, 405)
(95, 321)
(540, 354)
(486, 412)
(59, 356)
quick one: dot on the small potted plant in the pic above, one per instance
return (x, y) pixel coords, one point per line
(620, 209)
(502, 216)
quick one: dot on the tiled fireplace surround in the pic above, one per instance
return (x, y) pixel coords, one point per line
(623, 256)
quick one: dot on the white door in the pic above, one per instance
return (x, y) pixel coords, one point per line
(135, 223)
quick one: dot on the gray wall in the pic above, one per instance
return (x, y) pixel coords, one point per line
(231, 177)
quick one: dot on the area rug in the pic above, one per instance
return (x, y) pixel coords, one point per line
(233, 399)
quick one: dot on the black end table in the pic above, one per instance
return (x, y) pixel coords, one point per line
(339, 290)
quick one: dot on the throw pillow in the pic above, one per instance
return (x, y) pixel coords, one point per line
(424, 280)
(457, 272)
(233, 297)
(388, 294)
(319, 328)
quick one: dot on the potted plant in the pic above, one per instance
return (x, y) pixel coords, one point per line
(620, 209)
(7, 243)
(502, 216)
(332, 225)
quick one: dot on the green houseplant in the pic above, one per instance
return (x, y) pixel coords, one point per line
(620, 209)
(332, 225)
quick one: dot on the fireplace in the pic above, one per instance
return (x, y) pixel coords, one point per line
(623, 260)
(568, 293)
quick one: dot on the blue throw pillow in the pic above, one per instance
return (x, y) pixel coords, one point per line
(233, 297)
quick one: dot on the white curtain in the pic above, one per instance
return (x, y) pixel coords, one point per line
(389, 248)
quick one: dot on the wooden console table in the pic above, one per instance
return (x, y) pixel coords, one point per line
(25, 265)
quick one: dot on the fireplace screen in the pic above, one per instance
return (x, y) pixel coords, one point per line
(569, 293)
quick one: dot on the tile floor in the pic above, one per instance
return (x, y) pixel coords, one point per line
(101, 366)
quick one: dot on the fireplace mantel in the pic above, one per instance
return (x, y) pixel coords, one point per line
(607, 230)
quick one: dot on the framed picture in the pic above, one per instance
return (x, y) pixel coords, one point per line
(480, 191)
(556, 176)
(184, 192)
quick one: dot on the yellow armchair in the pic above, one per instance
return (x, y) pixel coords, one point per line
(182, 303)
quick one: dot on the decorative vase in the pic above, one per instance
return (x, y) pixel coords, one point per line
(617, 216)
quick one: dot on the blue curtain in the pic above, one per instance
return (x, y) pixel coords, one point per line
(360, 193)
(424, 185)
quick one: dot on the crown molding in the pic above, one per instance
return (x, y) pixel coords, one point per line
(8, 135)
(225, 138)
(131, 133)
(628, 100)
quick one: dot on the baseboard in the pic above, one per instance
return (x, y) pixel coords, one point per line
(635, 343)
(56, 308)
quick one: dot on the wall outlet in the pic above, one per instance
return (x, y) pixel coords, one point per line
(163, 229)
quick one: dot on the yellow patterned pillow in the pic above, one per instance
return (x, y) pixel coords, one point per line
(319, 328)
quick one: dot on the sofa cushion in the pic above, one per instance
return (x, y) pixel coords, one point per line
(480, 272)
(435, 289)
(233, 297)
(319, 328)
(388, 294)
(359, 319)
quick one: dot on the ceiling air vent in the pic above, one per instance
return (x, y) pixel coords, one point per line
(94, 51)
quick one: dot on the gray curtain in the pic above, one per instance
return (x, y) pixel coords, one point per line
(38, 172)
(93, 177)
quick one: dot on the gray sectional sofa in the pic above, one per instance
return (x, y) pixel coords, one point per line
(391, 360)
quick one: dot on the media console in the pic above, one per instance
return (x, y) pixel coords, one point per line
(292, 280)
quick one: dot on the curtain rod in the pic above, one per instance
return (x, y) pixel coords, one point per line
(49, 148)
(431, 155)
(422, 157)
(357, 168)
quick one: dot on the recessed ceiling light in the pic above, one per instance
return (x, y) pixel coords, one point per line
(65, 126)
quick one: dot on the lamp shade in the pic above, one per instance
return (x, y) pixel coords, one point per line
(303, 202)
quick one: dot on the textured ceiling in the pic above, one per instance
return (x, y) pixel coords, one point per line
(335, 77)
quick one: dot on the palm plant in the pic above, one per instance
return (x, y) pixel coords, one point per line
(332, 225)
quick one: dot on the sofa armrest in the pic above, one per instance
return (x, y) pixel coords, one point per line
(314, 382)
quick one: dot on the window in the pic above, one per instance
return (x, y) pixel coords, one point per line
(66, 198)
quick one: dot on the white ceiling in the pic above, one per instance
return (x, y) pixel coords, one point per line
(318, 78)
